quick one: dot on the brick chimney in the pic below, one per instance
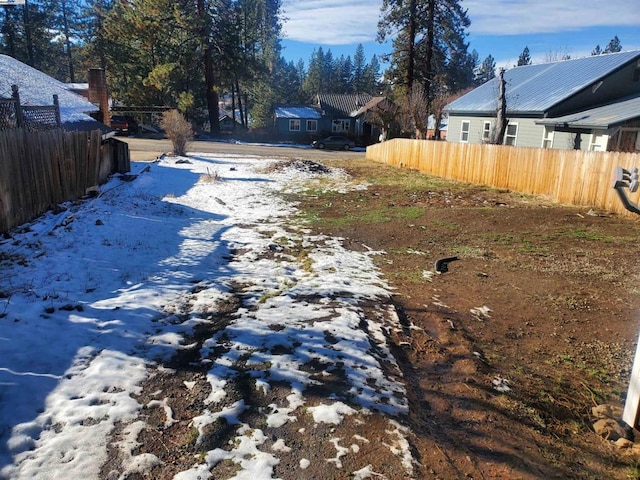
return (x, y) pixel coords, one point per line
(98, 94)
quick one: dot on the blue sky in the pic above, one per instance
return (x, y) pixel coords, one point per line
(501, 28)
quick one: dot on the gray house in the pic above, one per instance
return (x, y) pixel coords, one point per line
(590, 103)
(343, 114)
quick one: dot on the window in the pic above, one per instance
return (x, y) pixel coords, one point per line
(511, 135)
(294, 125)
(340, 126)
(598, 142)
(547, 138)
(312, 125)
(464, 131)
(486, 132)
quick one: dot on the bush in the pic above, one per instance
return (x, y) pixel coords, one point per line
(178, 130)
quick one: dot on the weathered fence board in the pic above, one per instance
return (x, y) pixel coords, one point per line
(571, 177)
(41, 169)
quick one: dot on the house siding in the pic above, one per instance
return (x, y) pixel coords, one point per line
(529, 134)
(616, 85)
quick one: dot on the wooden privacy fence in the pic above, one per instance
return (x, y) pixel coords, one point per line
(571, 177)
(41, 169)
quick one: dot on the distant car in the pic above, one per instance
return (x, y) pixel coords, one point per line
(334, 141)
(124, 124)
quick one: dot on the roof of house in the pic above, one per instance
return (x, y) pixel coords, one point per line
(383, 103)
(292, 111)
(342, 105)
(37, 88)
(605, 116)
(537, 88)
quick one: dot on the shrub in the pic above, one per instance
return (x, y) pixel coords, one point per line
(178, 130)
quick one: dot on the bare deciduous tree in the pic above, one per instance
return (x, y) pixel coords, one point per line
(414, 111)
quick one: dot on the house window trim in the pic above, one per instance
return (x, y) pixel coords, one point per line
(464, 132)
(515, 137)
(341, 122)
(601, 144)
(292, 122)
(312, 122)
(548, 138)
(486, 132)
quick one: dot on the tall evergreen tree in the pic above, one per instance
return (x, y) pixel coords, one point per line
(613, 46)
(429, 42)
(371, 77)
(524, 58)
(359, 66)
(29, 35)
(486, 71)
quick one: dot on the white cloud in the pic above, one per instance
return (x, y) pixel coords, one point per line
(514, 17)
(331, 22)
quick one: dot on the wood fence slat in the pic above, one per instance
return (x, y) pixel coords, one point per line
(574, 177)
(41, 169)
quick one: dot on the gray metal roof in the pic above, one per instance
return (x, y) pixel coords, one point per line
(605, 116)
(536, 88)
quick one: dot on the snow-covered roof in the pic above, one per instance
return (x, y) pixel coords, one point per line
(296, 112)
(37, 88)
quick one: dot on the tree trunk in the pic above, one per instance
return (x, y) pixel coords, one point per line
(411, 44)
(27, 31)
(242, 115)
(501, 114)
(67, 37)
(428, 74)
(209, 78)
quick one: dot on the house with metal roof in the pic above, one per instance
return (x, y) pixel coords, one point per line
(590, 103)
(344, 114)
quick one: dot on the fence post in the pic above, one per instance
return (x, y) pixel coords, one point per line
(56, 104)
(16, 96)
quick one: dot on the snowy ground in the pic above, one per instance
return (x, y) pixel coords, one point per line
(95, 298)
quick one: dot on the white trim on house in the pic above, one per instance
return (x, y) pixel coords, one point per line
(547, 137)
(486, 131)
(312, 125)
(598, 141)
(340, 125)
(464, 132)
(294, 125)
(511, 138)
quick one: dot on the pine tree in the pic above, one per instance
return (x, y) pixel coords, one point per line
(371, 76)
(429, 42)
(487, 70)
(613, 46)
(524, 58)
(359, 66)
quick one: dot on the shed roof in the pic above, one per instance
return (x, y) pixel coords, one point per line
(537, 88)
(37, 88)
(296, 112)
(605, 116)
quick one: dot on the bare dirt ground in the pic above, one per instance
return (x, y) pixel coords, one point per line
(541, 299)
